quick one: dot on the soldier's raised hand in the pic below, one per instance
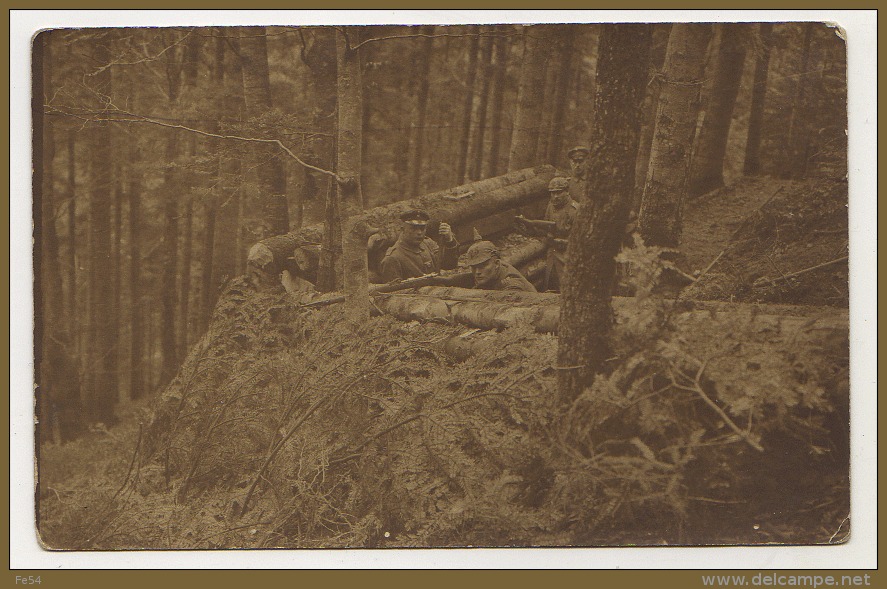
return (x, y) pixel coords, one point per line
(446, 232)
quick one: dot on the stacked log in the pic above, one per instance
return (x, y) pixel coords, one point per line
(489, 203)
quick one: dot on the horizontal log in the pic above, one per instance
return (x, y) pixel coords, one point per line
(500, 309)
(480, 200)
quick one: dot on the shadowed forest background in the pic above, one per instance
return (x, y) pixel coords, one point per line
(166, 154)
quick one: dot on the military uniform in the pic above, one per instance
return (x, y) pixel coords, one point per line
(577, 187)
(402, 261)
(509, 278)
(563, 217)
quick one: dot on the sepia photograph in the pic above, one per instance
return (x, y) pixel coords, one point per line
(435, 286)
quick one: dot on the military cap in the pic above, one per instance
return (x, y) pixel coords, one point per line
(578, 149)
(558, 184)
(415, 217)
(480, 252)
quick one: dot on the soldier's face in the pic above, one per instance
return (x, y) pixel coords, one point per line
(485, 272)
(413, 234)
(558, 197)
(578, 164)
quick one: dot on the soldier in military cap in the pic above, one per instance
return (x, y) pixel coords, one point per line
(578, 157)
(556, 226)
(414, 253)
(491, 272)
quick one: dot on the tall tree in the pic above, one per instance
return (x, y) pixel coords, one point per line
(708, 160)
(348, 147)
(661, 33)
(586, 313)
(319, 54)
(752, 164)
(257, 94)
(561, 97)
(498, 94)
(168, 294)
(136, 308)
(795, 161)
(102, 393)
(467, 103)
(530, 98)
(667, 176)
(423, 65)
(477, 149)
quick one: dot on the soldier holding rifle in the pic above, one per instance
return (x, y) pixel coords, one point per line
(556, 226)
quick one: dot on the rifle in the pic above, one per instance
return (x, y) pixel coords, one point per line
(536, 224)
(433, 279)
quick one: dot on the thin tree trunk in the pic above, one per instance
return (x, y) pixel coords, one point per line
(168, 294)
(354, 227)
(257, 94)
(530, 98)
(102, 394)
(184, 324)
(666, 183)
(795, 161)
(708, 159)
(650, 107)
(136, 308)
(424, 62)
(586, 313)
(467, 103)
(320, 56)
(71, 302)
(481, 127)
(752, 165)
(501, 46)
(561, 95)
(117, 274)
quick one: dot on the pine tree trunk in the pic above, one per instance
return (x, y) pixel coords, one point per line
(102, 394)
(795, 165)
(184, 324)
(319, 54)
(257, 94)
(467, 103)
(136, 302)
(424, 61)
(708, 159)
(561, 94)
(661, 33)
(666, 183)
(752, 165)
(117, 274)
(72, 321)
(168, 294)
(530, 98)
(354, 230)
(586, 313)
(477, 150)
(501, 46)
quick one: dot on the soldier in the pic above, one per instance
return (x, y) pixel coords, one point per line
(414, 253)
(557, 224)
(578, 157)
(491, 273)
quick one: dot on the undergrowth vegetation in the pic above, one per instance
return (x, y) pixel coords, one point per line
(289, 427)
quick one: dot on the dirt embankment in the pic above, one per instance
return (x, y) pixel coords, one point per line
(770, 241)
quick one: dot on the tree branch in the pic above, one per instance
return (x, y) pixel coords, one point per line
(134, 118)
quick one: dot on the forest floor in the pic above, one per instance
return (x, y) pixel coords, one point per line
(431, 452)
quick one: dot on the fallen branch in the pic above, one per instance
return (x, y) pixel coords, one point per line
(763, 280)
(697, 388)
